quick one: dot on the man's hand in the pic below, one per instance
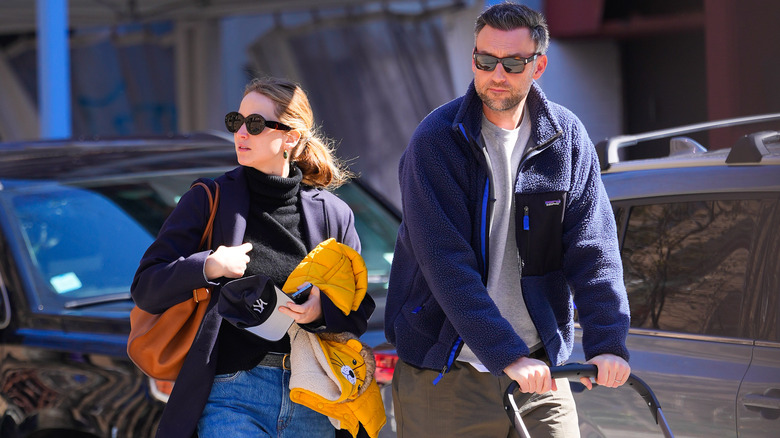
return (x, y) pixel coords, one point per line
(613, 371)
(532, 375)
(227, 261)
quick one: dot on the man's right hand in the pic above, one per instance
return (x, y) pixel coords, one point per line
(531, 374)
(227, 261)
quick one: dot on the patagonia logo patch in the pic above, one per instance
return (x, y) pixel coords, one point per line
(552, 203)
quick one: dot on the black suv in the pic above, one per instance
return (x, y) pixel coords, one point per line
(700, 241)
(75, 219)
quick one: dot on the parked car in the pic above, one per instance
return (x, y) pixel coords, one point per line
(75, 219)
(699, 233)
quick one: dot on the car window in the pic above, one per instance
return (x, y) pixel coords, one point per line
(688, 265)
(377, 229)
(761, 310)
(86, 242)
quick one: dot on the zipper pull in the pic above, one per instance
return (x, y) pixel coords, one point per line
(526, 221)
(441, 374)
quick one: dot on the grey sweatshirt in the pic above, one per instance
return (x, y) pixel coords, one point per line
(505, 149)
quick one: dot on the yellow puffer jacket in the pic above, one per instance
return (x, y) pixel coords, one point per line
(340, 381)
(337, 270)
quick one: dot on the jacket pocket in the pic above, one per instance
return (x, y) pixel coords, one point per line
(421, 313)
(539, 231)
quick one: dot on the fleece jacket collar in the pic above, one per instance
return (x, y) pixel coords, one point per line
(545, 128)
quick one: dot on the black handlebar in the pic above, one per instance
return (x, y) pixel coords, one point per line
(577, 370)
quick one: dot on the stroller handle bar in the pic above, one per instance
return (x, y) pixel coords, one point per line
(577, 370)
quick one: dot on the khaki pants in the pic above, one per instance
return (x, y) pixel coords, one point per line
(468, 403)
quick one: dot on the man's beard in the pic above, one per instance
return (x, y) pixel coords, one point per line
(507, 103)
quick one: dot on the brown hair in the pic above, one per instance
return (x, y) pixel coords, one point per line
(511, 16)
(314, 154)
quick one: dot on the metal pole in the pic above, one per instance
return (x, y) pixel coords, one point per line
(53, 69)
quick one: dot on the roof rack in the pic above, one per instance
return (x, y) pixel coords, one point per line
(608, 149)
(751, 148)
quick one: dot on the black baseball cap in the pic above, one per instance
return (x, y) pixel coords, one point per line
(252, 303)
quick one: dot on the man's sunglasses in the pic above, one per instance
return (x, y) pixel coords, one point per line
(511, 65)
(255, 123)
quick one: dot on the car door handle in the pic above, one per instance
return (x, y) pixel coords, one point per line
(761, 402)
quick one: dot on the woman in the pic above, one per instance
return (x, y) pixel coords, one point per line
(272, 212)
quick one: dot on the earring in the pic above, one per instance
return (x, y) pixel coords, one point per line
(285, 155)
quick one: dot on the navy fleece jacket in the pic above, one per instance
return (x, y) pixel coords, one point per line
(566, 237)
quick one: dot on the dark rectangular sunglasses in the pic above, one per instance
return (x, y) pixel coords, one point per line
(255, 123)
(511, 65)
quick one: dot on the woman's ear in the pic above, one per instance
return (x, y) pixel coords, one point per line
(292, 138)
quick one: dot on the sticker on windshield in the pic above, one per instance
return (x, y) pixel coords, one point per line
(65, 283)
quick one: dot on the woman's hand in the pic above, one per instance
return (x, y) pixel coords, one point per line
(227, 261)
(307, 312)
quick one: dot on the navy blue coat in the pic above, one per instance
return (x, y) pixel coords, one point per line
(172, 267)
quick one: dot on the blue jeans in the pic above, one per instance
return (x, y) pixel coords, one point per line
(256, 403)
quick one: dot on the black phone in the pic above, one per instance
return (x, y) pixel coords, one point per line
(301, 295)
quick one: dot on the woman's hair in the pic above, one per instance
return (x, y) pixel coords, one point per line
(314, 154)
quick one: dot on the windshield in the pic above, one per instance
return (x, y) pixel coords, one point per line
(83, 242)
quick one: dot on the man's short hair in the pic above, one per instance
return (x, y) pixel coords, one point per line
(510, 16)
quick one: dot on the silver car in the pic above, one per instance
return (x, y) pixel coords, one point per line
(700, 242)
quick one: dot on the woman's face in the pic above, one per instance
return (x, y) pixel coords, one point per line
(264, 151)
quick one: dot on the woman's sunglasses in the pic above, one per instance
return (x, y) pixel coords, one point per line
(255, 123)
(511, 65)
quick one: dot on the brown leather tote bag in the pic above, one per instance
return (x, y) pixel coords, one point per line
(158, 343)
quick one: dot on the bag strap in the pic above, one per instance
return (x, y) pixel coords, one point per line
(213, 202)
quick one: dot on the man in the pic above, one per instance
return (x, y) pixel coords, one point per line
(504, 219)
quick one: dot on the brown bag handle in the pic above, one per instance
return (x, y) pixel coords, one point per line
(213, 202)
(158, 343)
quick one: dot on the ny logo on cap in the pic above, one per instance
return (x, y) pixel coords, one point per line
(259, 306)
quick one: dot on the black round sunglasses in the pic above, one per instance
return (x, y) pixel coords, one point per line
(255, 123)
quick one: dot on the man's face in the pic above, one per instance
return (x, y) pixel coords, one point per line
(499, 90)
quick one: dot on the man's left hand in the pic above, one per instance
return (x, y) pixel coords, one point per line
(613, 371)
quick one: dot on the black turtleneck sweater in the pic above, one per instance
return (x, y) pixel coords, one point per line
(275, 230)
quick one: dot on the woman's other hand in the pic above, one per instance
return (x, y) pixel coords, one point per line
(307, 312)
